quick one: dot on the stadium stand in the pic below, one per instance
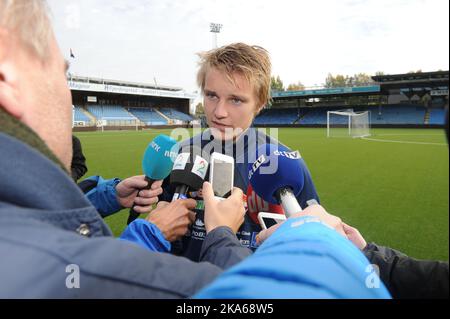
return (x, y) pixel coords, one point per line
(313, 116)
(387, 114)
(437, 117)
(148, 116)
(175, 115)
(398, 114)
(277, 116)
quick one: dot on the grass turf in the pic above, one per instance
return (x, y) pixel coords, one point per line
(394, 189)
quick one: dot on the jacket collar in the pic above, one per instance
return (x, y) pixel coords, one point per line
(34, 187)
(13, 127)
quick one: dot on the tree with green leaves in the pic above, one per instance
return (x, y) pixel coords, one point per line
(276, 84)
(296, 87)
(344, 81)
(335, 81)
(199, 109)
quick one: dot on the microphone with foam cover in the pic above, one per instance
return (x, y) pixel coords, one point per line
(189, 171)
(157, 163)
(277, 176)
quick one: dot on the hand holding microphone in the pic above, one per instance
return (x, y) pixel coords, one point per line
(131, 192)
(157, 163)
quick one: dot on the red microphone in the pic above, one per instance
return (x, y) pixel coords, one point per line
(256, 204)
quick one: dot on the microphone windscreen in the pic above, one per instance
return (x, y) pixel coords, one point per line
(275, 167)
(190, 168)
(159, 157)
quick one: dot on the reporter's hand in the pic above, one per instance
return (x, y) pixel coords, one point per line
(130, 192)
(173, 219)
(355, 236)
(313, 210)
(229, 212)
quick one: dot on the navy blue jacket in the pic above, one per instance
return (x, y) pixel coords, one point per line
(243, 151)
(48, 228)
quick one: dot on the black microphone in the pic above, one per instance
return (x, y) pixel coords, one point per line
(188, 172)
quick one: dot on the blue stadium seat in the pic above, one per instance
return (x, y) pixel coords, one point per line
(437, 117)
(175, 114)
(398, 114)
(148, 116)
(277, 116)
(110, 112)
(79, 115)
(387, 114)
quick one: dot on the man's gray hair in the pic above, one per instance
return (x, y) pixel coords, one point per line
(29, 19)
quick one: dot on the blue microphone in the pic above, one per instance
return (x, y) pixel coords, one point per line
(277, 176)
(157, 163)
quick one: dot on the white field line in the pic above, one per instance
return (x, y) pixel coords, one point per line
(402, 142)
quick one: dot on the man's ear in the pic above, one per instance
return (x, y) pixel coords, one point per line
(9, 95)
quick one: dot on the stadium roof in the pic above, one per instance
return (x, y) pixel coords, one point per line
(413, 80)
(77, 78)
(441, 75)
(323, 92)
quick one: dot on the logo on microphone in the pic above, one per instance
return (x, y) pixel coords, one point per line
(199, 223)
(256, 165)
(170, 154)
(155, 146)
(291, 155)
(200, 167)
(181, 161)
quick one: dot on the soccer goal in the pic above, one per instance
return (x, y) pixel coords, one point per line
(348, 124)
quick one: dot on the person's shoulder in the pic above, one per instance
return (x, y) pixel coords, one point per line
(268, 139)
(75, 139)
(200, 139)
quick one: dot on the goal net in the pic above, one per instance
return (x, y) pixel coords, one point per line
(348, 124)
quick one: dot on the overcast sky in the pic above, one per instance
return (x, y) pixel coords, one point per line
(148, 40)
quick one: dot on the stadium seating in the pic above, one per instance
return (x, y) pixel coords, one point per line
(175, 115)
(277, 116)
(437, 117)
(400, 114)
(110, 112)
(148, 116)
(79, 115)
(313, 116)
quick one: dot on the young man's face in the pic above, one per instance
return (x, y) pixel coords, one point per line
(230, 108)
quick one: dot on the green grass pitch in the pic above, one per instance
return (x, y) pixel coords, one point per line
(394, 188)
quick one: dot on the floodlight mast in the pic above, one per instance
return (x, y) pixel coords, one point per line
(215, 28)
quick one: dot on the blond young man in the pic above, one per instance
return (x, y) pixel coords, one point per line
(235, 82)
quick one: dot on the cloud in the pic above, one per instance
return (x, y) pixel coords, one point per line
(145, 39)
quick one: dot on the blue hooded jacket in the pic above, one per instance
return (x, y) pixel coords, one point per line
(302, 259)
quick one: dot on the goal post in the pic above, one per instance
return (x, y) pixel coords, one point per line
(348, 123)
